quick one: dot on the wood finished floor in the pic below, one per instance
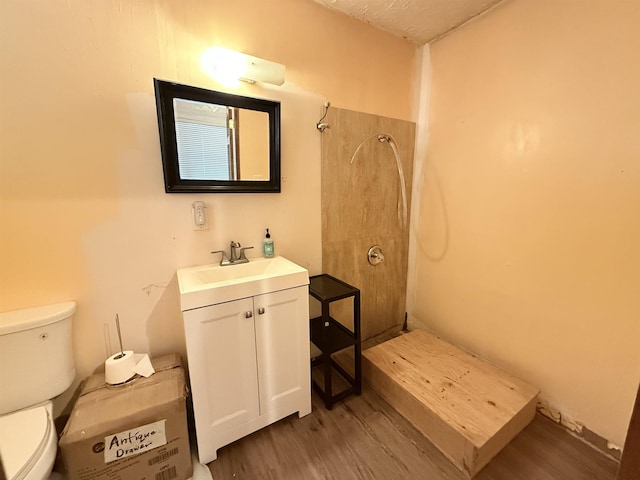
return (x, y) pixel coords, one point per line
(365, 438)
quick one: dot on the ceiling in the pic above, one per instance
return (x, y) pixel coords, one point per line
(420, 21)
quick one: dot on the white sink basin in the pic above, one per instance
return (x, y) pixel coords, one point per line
(210, 284)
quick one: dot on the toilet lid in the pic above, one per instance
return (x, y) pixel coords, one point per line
(23, 435)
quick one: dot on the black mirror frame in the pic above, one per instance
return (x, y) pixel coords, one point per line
(165, 93)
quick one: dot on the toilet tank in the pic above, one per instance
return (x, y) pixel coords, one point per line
(36, 355)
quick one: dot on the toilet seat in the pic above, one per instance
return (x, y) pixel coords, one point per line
(26, 441)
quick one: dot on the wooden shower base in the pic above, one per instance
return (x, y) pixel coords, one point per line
(466, 407)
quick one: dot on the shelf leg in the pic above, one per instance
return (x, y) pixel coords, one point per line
(326, 357)
(357, 347)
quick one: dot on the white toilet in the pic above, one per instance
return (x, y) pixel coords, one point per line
(36, 365)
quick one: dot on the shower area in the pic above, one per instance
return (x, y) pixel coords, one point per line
(467, 408)
(367, 169)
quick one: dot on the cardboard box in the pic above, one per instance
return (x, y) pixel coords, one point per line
(136, 431)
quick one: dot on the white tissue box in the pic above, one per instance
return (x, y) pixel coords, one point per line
(136, 430)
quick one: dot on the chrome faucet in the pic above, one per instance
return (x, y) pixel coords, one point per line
(233, 258)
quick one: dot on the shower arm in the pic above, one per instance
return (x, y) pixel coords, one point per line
(322, 126)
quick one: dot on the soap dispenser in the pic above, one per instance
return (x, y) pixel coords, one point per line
(267, 246)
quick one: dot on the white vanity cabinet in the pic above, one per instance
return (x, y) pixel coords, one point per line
(248, 365)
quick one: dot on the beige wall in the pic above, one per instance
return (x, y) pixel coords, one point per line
(527, 239)
(83, 213)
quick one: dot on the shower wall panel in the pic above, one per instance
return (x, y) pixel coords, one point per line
(361, 207)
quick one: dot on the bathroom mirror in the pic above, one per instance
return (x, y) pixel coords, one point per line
(214, 142)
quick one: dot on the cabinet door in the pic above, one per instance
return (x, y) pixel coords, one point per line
(222, 367)
(282, 346)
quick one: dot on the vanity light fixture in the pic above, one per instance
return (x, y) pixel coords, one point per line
(228, 66)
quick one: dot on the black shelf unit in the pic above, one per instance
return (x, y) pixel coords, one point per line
(330, 336)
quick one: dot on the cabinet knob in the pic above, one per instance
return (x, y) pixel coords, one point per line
(248, 314)
(261, 311)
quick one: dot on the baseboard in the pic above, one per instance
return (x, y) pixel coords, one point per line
(579, 430)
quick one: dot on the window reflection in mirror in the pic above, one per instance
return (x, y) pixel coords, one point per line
(217, 142)
(210, 146)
